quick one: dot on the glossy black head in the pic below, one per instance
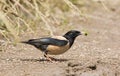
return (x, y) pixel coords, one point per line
(72, 34)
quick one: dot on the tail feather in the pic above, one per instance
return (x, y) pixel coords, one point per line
(31, 42)
(26, 42)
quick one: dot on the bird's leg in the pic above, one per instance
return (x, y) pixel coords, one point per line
(47, 57)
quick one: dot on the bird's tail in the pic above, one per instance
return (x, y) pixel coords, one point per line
(26, 42)
(31, 42)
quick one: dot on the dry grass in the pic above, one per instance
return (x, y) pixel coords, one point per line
(20, 16)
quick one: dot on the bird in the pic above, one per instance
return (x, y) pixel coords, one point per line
(54, 45)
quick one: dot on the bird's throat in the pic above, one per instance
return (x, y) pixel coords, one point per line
(71, 40)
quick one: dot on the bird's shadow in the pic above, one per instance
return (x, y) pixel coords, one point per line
(42, 60)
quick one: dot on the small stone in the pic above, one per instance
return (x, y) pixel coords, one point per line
(92, 67)
(72, 65)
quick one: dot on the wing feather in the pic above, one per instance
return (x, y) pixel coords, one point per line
(49, 41)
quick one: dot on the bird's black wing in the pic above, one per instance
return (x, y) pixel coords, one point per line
(48, 41)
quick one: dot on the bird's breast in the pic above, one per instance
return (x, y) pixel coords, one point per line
(55, 50)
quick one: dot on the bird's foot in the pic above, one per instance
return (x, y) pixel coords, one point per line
(51, 59)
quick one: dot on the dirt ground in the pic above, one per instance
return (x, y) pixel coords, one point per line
(97, 54)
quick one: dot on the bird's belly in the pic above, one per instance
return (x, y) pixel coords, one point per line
(56, 50)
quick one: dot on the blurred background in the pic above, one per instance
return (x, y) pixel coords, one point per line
(24, 18)
(97, 54)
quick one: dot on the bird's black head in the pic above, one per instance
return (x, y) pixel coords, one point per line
(71, 35)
